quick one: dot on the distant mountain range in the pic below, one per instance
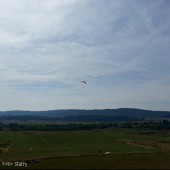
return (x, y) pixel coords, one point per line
(74, 115)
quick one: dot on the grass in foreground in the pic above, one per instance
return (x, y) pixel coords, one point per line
(85, 149)
(115, 161)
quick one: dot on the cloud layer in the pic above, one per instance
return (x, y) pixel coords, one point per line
(121, 48)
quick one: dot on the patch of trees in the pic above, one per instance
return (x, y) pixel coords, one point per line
(146, 125)
(57, 127)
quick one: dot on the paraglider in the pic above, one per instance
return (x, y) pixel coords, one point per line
(83, 82)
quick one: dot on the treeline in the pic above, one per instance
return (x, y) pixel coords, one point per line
(55, 127)
(145, 125)
(73, 118)
(148, 125)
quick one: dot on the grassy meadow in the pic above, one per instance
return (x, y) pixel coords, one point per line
(87, 149)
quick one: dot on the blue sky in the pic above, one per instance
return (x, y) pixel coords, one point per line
(120, 47)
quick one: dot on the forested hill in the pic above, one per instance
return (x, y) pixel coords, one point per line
(94, 114)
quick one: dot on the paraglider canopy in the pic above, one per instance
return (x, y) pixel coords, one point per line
(83, 82)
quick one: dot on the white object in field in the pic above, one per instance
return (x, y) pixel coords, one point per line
(107, 153)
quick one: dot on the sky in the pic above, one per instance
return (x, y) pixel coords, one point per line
(121, 48)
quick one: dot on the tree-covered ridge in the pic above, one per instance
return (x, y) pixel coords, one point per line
(105, 115)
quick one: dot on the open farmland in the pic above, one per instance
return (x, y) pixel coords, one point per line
(127, 149)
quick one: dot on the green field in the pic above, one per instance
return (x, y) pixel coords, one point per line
(86, 149)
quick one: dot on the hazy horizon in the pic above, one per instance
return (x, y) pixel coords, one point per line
(120, 48)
